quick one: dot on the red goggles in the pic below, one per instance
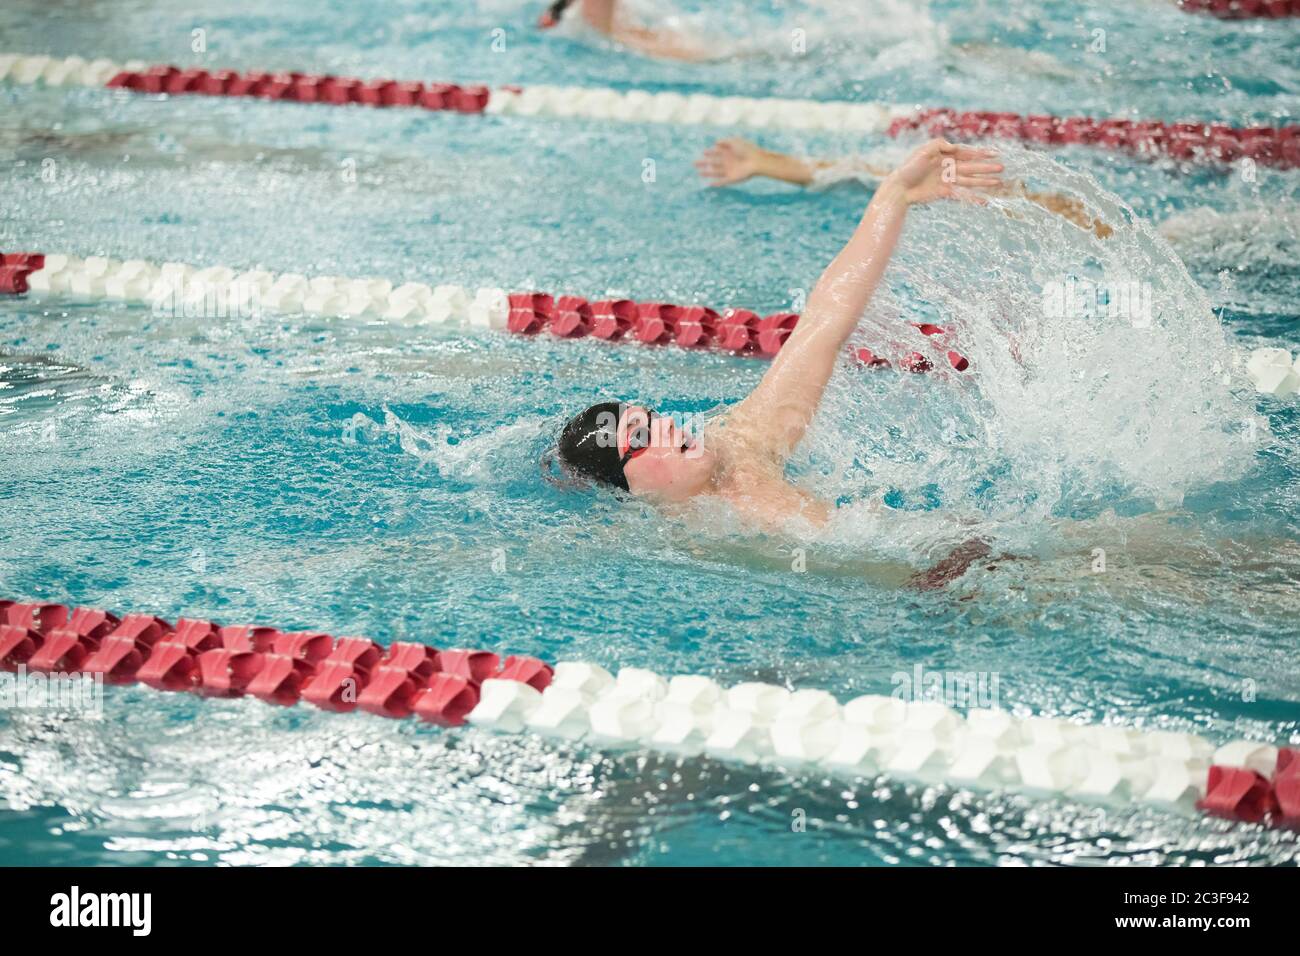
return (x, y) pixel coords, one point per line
(637, 439)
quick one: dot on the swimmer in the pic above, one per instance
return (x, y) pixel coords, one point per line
(608, 18)
(740, 458)
(732, 161)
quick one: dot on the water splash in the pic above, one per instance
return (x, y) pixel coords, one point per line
(476, 458)
(1263, 239)
(1100, 372)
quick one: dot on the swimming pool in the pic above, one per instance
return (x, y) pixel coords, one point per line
(358, 478)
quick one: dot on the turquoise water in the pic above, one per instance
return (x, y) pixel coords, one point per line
(370, 480)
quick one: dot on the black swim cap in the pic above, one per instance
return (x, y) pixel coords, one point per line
(589, 445)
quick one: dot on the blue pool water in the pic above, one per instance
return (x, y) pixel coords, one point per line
(364, 479)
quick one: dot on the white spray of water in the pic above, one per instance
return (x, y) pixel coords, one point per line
(1118, 388)
(479, 459)
(1254, 238)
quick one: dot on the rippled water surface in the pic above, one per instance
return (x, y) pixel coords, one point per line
(364, 479)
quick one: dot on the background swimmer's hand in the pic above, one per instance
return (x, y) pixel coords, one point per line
(729, 161)
(943, 170)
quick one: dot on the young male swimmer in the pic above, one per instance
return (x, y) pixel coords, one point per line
(609, 18)
(731, 161)
(740, 457)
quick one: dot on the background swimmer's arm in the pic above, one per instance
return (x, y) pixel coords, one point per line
(604, 17)
(731, 161)
(773, 419)
(1069, 208)
(599, 15)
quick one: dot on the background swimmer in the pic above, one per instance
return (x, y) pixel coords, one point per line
(731, 161)
(611, 18)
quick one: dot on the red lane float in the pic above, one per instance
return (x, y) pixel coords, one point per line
(402, 680)
(1243, 9)
(15, 267)
(1286, 787)
(1213, 142)
(304, 88)
(1238, 793)
(738, 331)
(339, 674)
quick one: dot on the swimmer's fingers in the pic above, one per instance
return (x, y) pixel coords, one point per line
(714, 171)
(978, 169)
(727, 148)
(723, 163)
(962, 152)
(717, 154)
(711, 165)
(977, 174)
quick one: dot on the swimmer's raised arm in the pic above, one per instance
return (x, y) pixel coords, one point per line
(771, 421)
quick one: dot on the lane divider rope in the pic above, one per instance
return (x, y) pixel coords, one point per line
(686, 715)
(1243, 9)
(1190, 142)
(1187, 141)
(220, 290)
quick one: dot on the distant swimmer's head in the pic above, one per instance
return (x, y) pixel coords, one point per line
(553, 13)
(634, 449)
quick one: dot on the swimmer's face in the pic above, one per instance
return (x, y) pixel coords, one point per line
(663, 462)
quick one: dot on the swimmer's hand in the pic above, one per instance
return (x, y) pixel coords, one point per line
(943, 170)
(729, 161)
